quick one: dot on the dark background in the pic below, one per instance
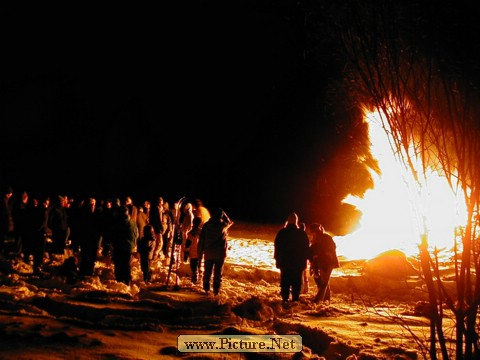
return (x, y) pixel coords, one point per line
(211, 101)
(223, 101)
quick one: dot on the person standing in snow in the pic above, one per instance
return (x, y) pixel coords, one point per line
(191, 248)
(213, 245)
(132, 209)
(33, 234)
(323, 259)
(143, 217)
(167, 230)
(291, 254)
(6, 218)
(156, 216)
(59, 226)
(124, 236)
(186, 224)
(18, 213)
(89, 235)
(146, 248)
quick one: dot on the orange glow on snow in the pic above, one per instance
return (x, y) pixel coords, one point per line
(396, 212)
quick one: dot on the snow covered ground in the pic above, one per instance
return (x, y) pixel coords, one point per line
(373, 313)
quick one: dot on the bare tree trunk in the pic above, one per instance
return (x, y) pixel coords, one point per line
(435, 318)
(432, 113)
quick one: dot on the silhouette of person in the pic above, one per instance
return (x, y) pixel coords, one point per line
(74, 210)
(213, 245)
(124, 235)
(33, 234)
(186, 225)
(132, 209)
(191, 248)
(19, 207)
(323, 259)
(156, 217)
(143, 217)
(6, 218)
(146, 248)
(167, 225)
(58, 224)
(107, 220)
(291, 254)
(89, 235)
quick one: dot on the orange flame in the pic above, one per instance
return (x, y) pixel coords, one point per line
(399, 210)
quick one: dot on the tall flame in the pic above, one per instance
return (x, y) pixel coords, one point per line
(398, 210)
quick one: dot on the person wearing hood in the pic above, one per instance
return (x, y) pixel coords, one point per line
(213, 245)
(323, 259)
(291, 250)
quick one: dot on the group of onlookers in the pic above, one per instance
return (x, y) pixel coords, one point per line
(118, 229)
(35, 230)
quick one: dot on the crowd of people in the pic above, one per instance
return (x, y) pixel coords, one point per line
(35, 230)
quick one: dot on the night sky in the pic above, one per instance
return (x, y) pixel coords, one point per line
(222, 101)
(203, 101)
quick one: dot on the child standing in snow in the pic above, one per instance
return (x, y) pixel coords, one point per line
(146, 248)
(191, 248)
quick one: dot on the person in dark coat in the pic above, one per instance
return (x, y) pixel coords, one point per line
(89, 235)
(146, 247)
(213, 244)
(6, 218)
(323, 259)
(107, 220)
(18, 213)
(58, 224)
(33, 234)
(124, 236)
(291, 255)
(74, 211)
